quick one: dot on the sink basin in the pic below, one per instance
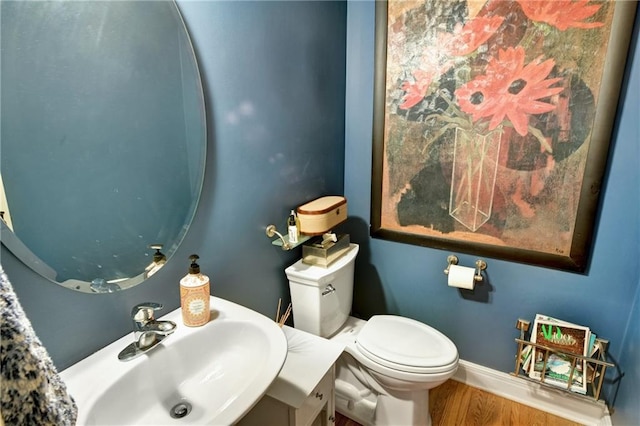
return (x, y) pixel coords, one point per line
(209, 375)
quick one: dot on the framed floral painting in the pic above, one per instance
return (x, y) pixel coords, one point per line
(492, 123)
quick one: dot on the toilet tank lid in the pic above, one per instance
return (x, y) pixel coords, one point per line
(310, 274)
(406, 342)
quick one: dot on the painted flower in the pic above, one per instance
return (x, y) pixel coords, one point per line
(510, 89)
(562, 14)
(439, 57)
(416, 91)
(466, 39)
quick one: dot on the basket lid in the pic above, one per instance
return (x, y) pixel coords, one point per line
(322, 205)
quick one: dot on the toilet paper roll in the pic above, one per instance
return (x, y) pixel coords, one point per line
(461, 277)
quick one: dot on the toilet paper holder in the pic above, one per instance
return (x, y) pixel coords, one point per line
(481, 265)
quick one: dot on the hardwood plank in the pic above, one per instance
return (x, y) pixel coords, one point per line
(481, 409)
(456, 411)
(454, 404)
(438, 403)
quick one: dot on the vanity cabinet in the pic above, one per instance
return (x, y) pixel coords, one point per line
(319, 407)
(303, 394)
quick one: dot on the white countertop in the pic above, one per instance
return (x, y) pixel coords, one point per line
(309, 358)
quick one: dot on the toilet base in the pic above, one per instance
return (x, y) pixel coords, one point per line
(408, 408)
(351, 404)
(411, 410)
(354, 398)
(360, 398)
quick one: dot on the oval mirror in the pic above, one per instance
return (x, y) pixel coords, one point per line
(103, 138)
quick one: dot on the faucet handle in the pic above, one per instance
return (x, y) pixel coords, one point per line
(143, 312)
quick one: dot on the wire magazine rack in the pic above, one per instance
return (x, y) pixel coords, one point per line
(598, 365)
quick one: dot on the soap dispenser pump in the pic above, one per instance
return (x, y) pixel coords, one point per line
(159, 260)
(194, 296)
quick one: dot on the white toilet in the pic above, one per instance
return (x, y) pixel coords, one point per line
(390, 362)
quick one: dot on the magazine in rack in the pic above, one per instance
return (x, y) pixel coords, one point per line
(564, 337)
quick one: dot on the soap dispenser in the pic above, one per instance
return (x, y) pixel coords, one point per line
(194, 296)
(292, 228)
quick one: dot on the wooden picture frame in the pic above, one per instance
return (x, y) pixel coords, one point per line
(492, 124)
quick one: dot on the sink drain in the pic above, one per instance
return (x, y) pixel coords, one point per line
(180, 410)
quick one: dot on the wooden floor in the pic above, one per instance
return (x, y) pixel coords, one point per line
(456, 404)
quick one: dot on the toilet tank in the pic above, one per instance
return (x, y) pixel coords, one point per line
(321, 297)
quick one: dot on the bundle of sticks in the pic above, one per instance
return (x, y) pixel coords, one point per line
(282, 319)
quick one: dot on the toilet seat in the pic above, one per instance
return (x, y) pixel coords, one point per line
(406, 345)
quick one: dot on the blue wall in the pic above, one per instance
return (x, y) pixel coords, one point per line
(408, 280)
(628, 401)
(275, 83)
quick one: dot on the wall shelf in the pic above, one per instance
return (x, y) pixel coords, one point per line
(301, 240)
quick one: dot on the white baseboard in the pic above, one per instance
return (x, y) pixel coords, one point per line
(541, 397)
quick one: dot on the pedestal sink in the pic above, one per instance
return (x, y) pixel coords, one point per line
(209, 375)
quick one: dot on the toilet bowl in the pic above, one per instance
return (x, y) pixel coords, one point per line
(390, 362)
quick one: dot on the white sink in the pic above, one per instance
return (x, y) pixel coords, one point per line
(220, 369)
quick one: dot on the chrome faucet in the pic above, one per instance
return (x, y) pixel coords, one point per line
(147, 331)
